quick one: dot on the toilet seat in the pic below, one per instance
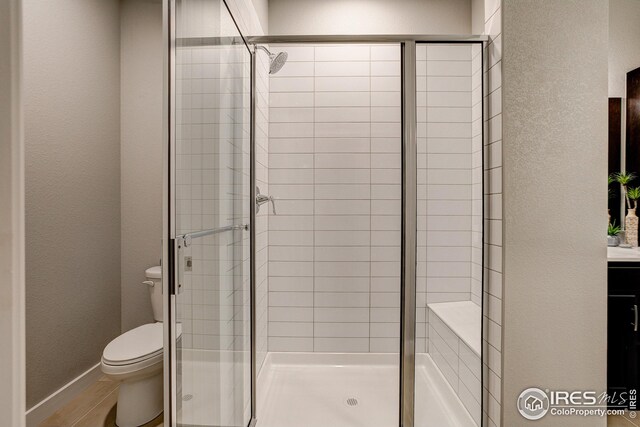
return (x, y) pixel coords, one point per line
(142, 344)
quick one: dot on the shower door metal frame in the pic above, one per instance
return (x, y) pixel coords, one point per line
(252, 243)
(168, 212)
(409, 200)
(407, 45)
(409, 231)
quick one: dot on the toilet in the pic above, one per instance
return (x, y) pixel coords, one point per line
(135, 359)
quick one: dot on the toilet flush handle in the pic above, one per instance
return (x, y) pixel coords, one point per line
(148, 282)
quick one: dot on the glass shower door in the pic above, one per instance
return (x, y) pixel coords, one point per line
(211, 380)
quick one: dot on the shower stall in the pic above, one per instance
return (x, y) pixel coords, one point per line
(324, 227)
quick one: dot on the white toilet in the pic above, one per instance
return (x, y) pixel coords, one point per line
(135, 359)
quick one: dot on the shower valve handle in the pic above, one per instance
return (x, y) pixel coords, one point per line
(262, 199)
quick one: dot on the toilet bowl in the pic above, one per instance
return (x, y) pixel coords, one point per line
(135, 359)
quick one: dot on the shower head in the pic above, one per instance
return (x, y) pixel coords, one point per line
(276, 60)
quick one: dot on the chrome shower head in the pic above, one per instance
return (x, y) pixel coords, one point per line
(276, 60)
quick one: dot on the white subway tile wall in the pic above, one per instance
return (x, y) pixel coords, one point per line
(449, 263)
(262, 217)
(476, 173)
(447, 182)
(334, 168)
(492, 264)
(247, 19)
(459, 363)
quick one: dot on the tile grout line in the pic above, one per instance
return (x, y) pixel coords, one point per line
(426, 198)
(370, 198)
(313, 310)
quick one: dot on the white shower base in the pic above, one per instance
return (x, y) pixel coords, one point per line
(312, 390)
(215, 388)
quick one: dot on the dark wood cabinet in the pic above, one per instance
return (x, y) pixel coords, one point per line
(623, 348)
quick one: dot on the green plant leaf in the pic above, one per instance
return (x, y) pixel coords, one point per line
(613, 229)
(624, 178)
(634, 193)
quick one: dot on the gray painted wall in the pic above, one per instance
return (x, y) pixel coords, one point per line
(382, 17)
(72, 138)
(555, 196)
(624, 43)
(477, 17)
(141, 153)
(11, 220)
(262, 10)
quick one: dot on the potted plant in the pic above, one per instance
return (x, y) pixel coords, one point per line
(612, 233)
(634, 194)
(631, 220)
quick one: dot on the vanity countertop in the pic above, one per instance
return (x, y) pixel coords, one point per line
(618, 254)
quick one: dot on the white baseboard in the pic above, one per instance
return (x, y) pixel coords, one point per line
(61, 397)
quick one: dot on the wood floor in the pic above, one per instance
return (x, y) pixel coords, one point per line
(95, 407)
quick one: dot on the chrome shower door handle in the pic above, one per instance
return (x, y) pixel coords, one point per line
(635, 318)
(261, 199)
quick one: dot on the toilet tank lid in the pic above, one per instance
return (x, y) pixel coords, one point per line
(153, 272)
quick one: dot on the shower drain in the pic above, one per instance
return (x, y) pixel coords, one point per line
(352, 401)
(187, 397)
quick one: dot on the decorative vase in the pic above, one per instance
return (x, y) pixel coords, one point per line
(631, 228)
(612, 240)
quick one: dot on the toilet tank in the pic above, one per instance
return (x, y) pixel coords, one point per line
(154, 274)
